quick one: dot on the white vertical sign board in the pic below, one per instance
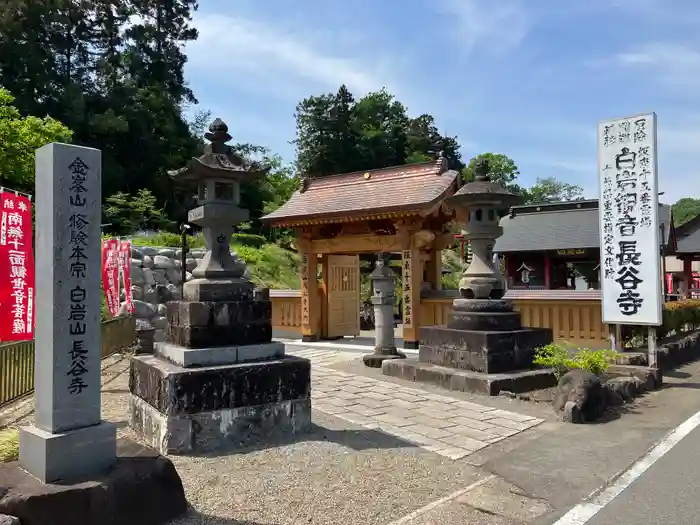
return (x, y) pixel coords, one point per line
(630, 256)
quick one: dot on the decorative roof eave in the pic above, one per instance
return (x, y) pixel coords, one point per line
(196, 169)
(291, 222)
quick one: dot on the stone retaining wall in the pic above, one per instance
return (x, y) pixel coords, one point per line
(156, 278)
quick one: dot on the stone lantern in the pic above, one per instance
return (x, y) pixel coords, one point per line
(383, 301)
(218, 379)
(483, 347)
(481, 200)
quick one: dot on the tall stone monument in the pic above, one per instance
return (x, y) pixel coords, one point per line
(218, 378)
(68, 439)
(483, 347)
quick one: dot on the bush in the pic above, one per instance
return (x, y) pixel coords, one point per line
(677, 317)
(9, 445)
(562, 359)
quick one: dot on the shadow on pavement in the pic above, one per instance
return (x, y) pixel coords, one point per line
(360, 439)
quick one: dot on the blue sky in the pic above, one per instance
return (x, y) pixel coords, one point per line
(528, 78)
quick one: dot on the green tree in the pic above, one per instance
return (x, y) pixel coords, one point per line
(336, 134)
(685, 210)
(20, 137)
(551, 189)
(502, 169)
(127, 214)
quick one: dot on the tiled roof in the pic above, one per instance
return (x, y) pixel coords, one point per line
(411, 187)
(690, 243)
(558, 227)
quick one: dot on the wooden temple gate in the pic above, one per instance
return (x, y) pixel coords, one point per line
(392, 210)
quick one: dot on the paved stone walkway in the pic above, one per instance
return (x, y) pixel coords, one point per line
(440, 424)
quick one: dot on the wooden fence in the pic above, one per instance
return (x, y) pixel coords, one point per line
(17, 359)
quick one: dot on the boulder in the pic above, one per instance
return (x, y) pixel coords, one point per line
(136, 253)
(149, 250)
(175, 292)
(159, 276)
(173, 275)
(147, 261)
(142, 310)
(142, 488)
(167, 252)
(162, 262)
(160, 323)
(148, 278)
(580, 397)
(9, 520)
(136, 262)
(137, 275)
(162, 310)
(190, 264)
(188, 276)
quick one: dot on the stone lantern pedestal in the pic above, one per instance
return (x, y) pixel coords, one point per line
(383, 302)
(483, 348)
(218, 379)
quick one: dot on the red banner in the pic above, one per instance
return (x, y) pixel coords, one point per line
(125, 269)
(16, 268)
(110, 274)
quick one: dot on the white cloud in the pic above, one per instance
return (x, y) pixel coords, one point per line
(487, 25)
(250, 52)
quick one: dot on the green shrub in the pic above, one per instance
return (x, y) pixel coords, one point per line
(677, 317)
(562, 359)
(9, 445)
(249, 239)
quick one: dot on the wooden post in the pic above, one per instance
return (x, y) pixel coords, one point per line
(651, 345)
(434, 269)
(412, 272)
(324, 296)
(310, 303)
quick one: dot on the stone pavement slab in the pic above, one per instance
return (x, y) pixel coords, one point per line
(441, 424)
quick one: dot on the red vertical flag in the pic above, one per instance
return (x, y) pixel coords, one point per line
(110, 275)
(16, 268)
(125, 269)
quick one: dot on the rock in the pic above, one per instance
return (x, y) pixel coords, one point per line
(136, 253)
(159, 276)
(163, 294)
(178, 253)
(178, 264)
(149, 250)
(197, 254)
(167, 252)
(143, 324)
(136, 262)
(160, 323)
(143, 488)
(142, 310)
(9, 520)
(188, 276)
(626, 387)
(613, 398)
(137, 275)
(150, 295)
(147, 261)
(190, 264)
(136, 292)
(148, 278)
(173, 275)
(162, 262)
(175, 292)
(162, 310)
(585, 391)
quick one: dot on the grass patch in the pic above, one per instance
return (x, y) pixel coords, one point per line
(9, 445)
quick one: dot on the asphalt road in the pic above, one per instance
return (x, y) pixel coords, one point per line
(667, 493)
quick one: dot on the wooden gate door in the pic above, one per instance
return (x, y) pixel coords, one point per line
(343, 295)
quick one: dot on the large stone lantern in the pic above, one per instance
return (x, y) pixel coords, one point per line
(480, 202)
(218, 379)
(483, 347)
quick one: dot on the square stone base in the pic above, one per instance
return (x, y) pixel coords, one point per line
(180, 410)
(469, 381)
(67, 455)
(217, 429)
(489, 352)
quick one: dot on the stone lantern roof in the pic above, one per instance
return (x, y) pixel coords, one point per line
(482, 190)
(219, 160)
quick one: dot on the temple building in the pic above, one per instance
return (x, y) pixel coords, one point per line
(557, 247)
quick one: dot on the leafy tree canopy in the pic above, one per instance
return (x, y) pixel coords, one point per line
(685, 210)
(19, 139)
